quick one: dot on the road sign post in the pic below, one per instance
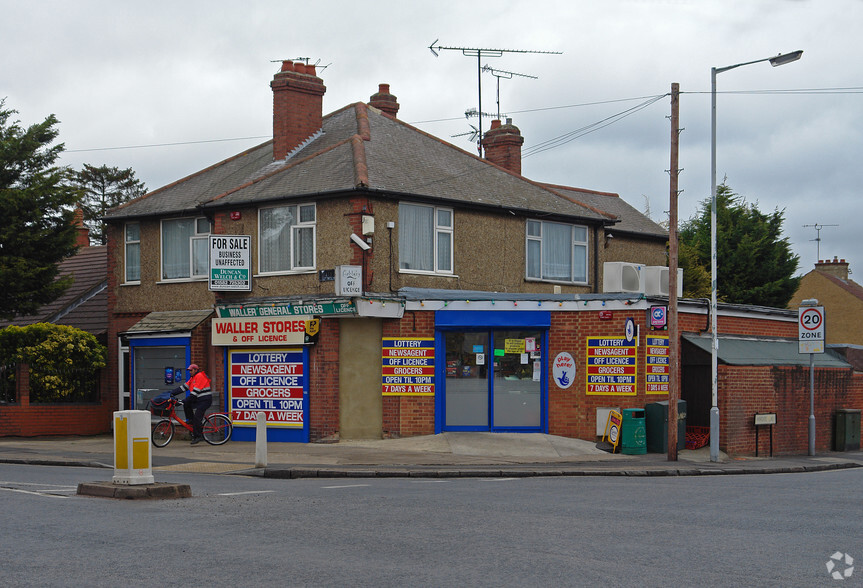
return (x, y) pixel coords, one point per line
(810, 329)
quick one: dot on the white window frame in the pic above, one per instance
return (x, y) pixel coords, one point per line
(296, 226)
(438, 232)
(576, 245)
(199, 237)
(133, 242)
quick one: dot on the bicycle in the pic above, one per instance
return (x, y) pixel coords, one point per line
(217, 427)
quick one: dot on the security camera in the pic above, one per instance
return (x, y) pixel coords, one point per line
(358, 240)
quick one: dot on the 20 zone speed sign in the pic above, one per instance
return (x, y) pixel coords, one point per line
(810, 329)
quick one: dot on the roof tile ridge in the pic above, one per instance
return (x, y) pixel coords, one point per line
(587, 190)
(361, 167)
(197, 173)
(363, 127)
(848, 285)
(574, 201)
(282, 169)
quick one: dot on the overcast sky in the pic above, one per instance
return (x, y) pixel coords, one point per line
(170, 87)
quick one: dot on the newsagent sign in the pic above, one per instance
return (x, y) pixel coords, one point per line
(267, 381)
(612, 366)
(230, 262)
(408, 366)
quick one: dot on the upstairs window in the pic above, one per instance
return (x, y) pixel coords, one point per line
(556, 252)
(133, 252)
(286, 237)
(425, 238)
(184, 248)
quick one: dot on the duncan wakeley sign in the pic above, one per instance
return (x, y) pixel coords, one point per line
(230, 263)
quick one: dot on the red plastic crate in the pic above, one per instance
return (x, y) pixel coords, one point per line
(697, 437)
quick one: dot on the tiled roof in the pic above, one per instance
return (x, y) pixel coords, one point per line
(849, 286)
(172, 321)
(360, 149)
(630, 219)
(85, 304)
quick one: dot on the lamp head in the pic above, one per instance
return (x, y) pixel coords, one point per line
(787, 58)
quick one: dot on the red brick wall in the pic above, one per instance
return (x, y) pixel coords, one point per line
(27, 420)
(784, 391)
(405, 416)
(324, 382)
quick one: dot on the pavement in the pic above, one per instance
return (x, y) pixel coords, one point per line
(443, 455)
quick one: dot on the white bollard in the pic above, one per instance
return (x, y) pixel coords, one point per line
(261, 441)
(132, 458)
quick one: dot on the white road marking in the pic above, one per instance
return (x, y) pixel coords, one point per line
(346, 486)
(248, 492)
(497, 479)
(33, 493)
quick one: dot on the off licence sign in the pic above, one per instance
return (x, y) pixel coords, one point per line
(810, 329)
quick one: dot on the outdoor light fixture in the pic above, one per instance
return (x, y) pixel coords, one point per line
(714, 410)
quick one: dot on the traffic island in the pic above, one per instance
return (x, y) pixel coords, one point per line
(155, 491)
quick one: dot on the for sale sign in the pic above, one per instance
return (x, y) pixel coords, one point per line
(810, 329)
(230, 262)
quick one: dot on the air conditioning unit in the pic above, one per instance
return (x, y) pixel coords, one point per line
(656, 281)
(620, 276)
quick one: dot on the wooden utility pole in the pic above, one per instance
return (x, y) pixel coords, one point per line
(673, 338)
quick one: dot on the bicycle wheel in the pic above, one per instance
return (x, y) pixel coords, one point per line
(217, 429)
(163, 432)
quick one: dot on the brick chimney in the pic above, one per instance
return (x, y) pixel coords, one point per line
(82, 238)
(837, 267)
(384, 101)
(298, 99)
(502, 144)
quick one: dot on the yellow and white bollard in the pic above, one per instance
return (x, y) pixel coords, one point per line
(132, 457)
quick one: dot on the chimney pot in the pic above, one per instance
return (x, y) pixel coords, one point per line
(502, 145)
(287, 65)
(384, 101)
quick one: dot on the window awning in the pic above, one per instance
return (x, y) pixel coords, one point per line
(172, 321)
(752, 351)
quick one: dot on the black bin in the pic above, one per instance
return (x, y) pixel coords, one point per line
(847, 432)
(656, 419)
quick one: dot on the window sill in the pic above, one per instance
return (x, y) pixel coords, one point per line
(424, 273)
(182, 280)
(560, 282)
(130, 284)
(301, 272)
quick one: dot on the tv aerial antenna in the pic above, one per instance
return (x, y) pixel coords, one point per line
(817, 238)
(478, 53)
(306, 61)
(499, 73)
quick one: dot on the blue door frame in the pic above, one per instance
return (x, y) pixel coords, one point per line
(489, 321)
(157, 342)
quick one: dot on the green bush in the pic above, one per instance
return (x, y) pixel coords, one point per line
(63, 360)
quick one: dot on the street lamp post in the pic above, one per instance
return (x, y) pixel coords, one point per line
(714, 347)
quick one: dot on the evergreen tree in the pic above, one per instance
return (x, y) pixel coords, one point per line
(103, 188)
(755, 263)
(36, 208)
